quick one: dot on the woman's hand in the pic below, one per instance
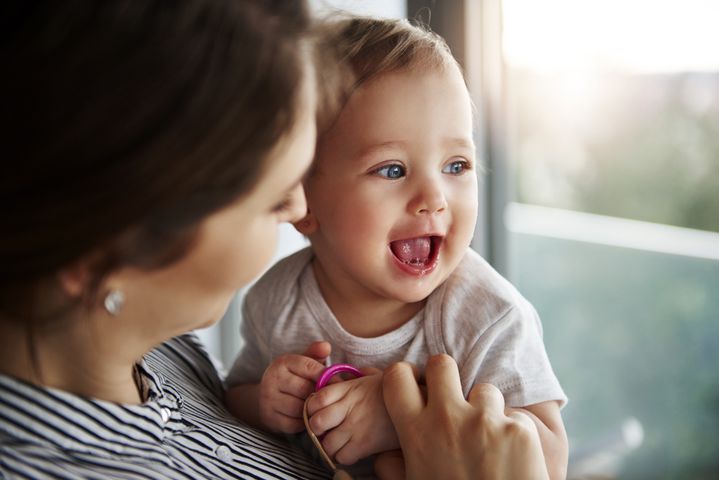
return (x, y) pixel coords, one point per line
(446, 436)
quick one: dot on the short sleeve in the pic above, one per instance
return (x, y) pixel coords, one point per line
(510, 354)
(493, 333)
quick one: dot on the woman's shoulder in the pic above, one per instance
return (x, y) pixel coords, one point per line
(184, 362)
(188, 343)
(187, 348)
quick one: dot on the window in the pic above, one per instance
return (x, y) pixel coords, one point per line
(611, 135)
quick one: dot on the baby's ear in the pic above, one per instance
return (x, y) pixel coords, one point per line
(307, 225)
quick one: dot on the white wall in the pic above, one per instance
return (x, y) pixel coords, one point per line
(379, 8)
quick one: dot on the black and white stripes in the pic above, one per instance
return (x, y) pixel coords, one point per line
(182, 432)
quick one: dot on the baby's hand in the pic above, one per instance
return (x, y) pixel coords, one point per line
(284, 386)
(355, 419)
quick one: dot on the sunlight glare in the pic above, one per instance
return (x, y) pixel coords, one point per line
(638, 36)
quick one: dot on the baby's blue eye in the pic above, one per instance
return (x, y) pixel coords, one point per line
(456, 168)
(391, 171)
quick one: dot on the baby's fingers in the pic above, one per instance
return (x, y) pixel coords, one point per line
(282, 413)
(318, 350)
(328, 418)
(296, 386)
(304, 367)
(329, 395)
(289, 406)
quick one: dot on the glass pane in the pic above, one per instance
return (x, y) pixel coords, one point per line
(633, 337)
(615, 107)
(613, 143)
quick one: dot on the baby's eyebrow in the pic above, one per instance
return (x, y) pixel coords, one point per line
(381, 147)
(395, 145)
(460, 142)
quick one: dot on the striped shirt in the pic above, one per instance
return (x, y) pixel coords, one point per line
(183, 431)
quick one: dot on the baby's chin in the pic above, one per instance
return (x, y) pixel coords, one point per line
(418, 292)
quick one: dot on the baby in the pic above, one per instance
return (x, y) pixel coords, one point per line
(392, 205)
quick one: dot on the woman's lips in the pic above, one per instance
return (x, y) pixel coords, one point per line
(417, 256)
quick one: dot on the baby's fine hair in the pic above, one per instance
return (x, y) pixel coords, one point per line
(367, 47)
(374, 46)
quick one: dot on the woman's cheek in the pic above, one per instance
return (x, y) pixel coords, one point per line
(256, 253)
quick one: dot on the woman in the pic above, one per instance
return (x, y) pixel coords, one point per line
(151, 148)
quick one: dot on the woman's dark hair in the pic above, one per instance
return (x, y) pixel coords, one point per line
(125, 123)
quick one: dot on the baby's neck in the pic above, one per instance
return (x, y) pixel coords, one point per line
(373, 321)
(365, 315)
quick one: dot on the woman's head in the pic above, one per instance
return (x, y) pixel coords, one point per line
(127, 123)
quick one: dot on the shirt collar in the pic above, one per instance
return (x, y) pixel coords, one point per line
(46, 416)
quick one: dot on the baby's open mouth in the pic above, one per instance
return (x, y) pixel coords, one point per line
(417, 252)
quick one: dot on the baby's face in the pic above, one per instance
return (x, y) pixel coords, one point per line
(394, 192)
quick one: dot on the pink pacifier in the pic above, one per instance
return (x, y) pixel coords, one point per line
(333, 370)
(324, 379)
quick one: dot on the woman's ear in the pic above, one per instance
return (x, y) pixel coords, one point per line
(307, 225)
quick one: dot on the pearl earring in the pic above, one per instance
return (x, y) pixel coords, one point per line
(114, 301)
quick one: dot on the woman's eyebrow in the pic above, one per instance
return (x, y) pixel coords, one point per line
(299, 181)
(294, 185)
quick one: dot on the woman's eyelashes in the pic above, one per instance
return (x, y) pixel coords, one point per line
(283, 206)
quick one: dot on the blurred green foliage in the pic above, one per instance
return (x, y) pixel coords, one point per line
(641, 147)
(661, 167)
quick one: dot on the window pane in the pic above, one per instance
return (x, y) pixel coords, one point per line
(613, 140)
(615, 107)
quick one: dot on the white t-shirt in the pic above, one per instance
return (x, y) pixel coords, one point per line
(476, 316)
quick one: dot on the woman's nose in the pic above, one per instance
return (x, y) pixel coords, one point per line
(429, 199)
(297, 208)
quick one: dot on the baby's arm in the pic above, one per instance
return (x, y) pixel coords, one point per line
(355, 418)
(275, 404)
(551, 434)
